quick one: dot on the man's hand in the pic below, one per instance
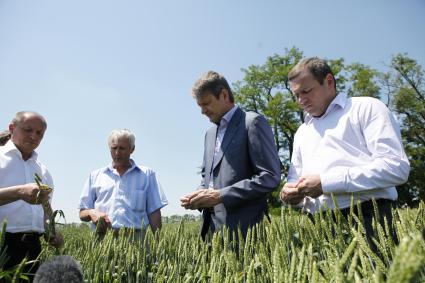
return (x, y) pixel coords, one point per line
(28, 193)
(101, 220)
(57, 240)
(185, 200)
(310, 186)
(96, 215)
(290, 194)
(203, 198)
(307, 185)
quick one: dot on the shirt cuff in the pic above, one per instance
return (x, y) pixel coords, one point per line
(159, 206)
(83, 208)
(223, 198)
(334, 182)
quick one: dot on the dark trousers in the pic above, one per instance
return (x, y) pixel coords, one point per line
(20, 246)
(384, 206)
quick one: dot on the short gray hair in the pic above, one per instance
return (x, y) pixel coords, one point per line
(20, 116)
(122, 133)
(60, 269)
(211, 82)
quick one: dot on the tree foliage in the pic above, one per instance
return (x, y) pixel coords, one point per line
(405, 87)
(265, 90)
(363, 81)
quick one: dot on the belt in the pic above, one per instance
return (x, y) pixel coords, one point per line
(127, 231)
(23, 237)
(367, 206)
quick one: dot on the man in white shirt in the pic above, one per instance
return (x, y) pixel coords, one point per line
(123, 194)
(18, 193)
(348, 147)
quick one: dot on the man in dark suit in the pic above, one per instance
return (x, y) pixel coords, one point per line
(240, 166)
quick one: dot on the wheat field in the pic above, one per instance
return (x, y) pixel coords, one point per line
(290, 248)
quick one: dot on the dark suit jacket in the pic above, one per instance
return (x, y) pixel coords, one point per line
(245, 170)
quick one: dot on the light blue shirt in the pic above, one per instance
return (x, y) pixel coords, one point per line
(220, 213)
(221, 131)
(126, 199)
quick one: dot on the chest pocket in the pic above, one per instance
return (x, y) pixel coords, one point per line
(138, 199)
(104, 192)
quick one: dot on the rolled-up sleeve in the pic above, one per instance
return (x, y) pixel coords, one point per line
(87, 198)
(49, 181)
(155, 197)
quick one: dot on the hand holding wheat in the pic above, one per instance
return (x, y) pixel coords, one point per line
(43, 188)
(50, 234)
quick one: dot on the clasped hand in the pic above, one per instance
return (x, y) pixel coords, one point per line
(308, 185)
(57, 241)
(202, 198)
(101, 220)
(32, 194)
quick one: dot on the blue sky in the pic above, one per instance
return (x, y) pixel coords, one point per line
(92, 66)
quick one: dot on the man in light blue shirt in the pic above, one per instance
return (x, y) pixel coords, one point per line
(123, 194)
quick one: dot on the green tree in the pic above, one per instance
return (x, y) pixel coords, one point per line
(405, 92)
(265, 90)
(363, 81)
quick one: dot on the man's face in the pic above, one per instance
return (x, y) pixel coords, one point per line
(28, 134)
(212, 107)
(120, 151)
(312, 96)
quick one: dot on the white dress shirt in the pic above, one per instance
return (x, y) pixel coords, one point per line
(356, 149)
(126, 199)
(21, 216)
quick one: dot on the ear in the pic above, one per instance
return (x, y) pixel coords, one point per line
(133, 149)
(330, 81)
(11, 127)
(225, 94)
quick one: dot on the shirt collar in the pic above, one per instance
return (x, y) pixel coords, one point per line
(339, 101)
(225, 120)
(11, 148)
(132, 167)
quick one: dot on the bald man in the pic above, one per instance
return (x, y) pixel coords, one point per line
(20, 206)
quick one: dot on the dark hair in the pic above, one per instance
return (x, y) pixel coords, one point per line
(4, 137)
(319, 68)
(60, 269)
(211, 82)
